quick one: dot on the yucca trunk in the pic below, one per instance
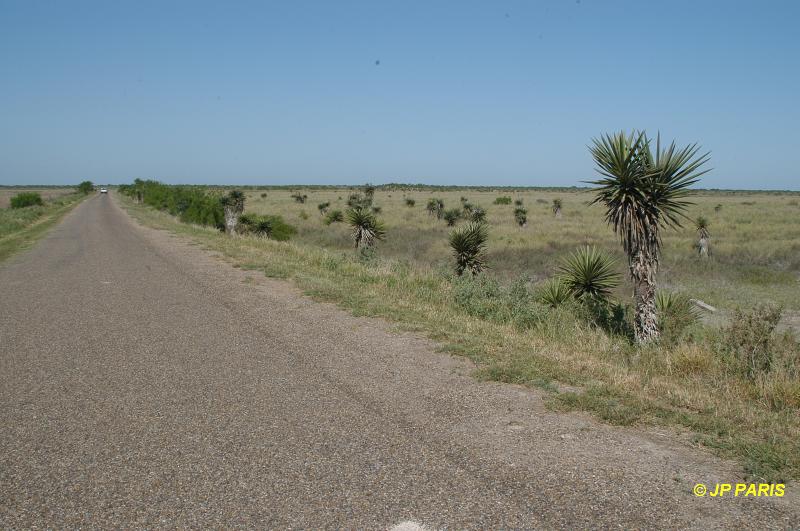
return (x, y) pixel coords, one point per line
(702, 247)
(232, 213)
(643, 266)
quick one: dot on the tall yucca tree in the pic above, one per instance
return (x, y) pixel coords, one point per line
(644, 191)
(233, 206)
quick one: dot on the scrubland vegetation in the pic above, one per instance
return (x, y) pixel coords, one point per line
(30, 214)
(534, 286)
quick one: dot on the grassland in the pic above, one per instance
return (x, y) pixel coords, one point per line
(47, 192)
(20, 227)
(689, 385)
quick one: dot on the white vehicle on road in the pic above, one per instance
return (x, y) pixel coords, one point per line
(103, 190)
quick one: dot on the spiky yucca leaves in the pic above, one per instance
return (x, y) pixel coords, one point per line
(469, 247)
(644, 191)
(334, 216)
(369, 192)
(704, 237)
(451, 216)
(299, 198)
(676, 312)
(589, 272)
(233, 207)
(367, 229)
(521, 216)
(323, 207)
(557, 204)
(410, 202)
(553, 293)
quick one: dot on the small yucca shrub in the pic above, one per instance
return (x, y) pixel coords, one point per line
(589, 272)
(478, 214)
(299, 198)
(410, 202)
(676, 313)
(553, 293)
(451, 216)
(323, 207)
(557, 204)
(469, 247)
(334, 216)
(367, 229)
(521, 216)
(435, 207)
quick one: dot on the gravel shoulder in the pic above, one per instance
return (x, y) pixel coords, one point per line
(148, 383)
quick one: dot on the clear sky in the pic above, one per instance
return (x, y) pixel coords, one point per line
(480, 93)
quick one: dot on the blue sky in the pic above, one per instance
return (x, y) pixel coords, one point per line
(478, 93)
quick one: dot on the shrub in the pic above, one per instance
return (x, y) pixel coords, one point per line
(748, 341)
(334, 216)
(191, 204)
(272, 227)
(518, 202)
(504, 200)
(451, 216)
(435, 207)
(299, 198)
(323, 207)
(26, 199)
(263, 195)
(86, 187)
(410, 202)
(478, 215)
(589, 272)
(521, 216)
(469, 248)
(485, 298)
(676, 313)
(553, 293)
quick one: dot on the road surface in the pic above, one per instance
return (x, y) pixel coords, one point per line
(145, 383)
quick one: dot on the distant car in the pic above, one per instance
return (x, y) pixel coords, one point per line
(103, 190)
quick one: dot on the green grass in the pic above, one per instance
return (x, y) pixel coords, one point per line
(578, 365)
(21, 227)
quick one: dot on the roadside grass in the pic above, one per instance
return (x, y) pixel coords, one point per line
(579, 366)
(21, 227)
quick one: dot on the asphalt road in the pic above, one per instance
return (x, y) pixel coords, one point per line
(144, 383)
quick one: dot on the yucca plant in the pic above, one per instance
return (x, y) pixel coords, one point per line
(557, 204)
(369, 192)
(334, 216)
(676, 312)
(233, 207)
(435, 207)
(521, 216)
(553, 293)
(704, 237)
(367, 229)
(469, 247)
(478, 214)
(410, 202)
(518, 202)
(589, 272)
(323, 207)
(451, 216)
(644, 191)
(299, 198)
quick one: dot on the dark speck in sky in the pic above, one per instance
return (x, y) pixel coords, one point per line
(378, 62)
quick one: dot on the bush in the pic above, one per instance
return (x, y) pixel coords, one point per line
(504, 200)
(26, 199)
(192, 204)
(86, 187)
(263, 195)
(334, 216)
(748, 341)
(676, 313)
(521, 216)
(451, 216)
(272, 227)
(410, 202)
